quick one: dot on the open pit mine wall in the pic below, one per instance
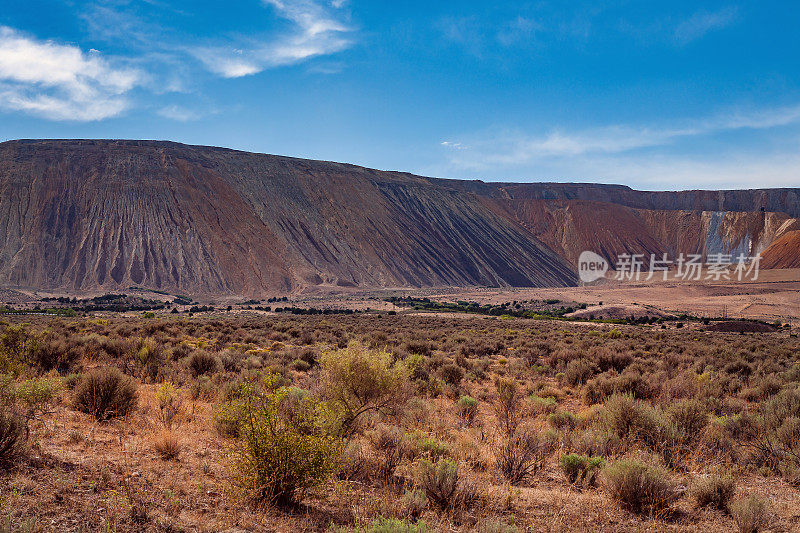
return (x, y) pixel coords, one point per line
(572, 226)
(785, 200)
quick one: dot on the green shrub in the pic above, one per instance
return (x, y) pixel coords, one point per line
(439, 480)
(169, 404)
(561, 420)
(750, 514)
(467, 409)
(428, 445)
(31, 395)
(443, 486)
(17, 346)
(202, 389)
(150, 357)
(284, 449)
(580, 468)
(13, 436)
(414, 502)
(690, 417)
(635, 421)
(395, 525)
(105, 393)
(714, 491)
(300, 365)
(228, 417)
(544, 405)
(638, 487)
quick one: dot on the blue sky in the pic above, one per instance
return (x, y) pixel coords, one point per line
(651, 94)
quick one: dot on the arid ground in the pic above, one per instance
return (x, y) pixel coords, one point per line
(261, 421)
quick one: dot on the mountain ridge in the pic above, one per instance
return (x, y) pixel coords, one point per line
(92, 214)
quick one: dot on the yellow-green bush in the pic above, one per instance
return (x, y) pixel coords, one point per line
(284, 449)
(357, 380)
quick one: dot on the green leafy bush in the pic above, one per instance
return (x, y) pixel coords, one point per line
(170, 404)
(442, 485)
(428, 445)
(31, 395)
(579, 371)
(580, 468)
(395, 525)
(635, 421)
(561, 420)
(17, 346)
(105, 393)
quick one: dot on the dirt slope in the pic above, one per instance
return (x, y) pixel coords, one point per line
(784, 252)
(111, 214)
(103, 215)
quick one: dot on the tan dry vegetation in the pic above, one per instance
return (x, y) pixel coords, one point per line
(695, 396)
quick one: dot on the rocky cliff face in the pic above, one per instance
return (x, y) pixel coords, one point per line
(88, 215)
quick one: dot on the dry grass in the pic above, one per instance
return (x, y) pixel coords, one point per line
(167, 445)
(123, 467)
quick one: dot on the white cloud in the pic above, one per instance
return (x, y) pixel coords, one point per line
(455, 146)
(661, 172)
(179, 113)
(59, 81)
(318, 31)
(515, 148)
(703, 22)
(634, 154)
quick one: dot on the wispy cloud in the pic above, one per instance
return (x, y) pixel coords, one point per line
(703, 22)
(179, 113)
(641, 154)
(454, 146)
(520, 29)
(514, 147)
(318, 31)
(60, 81)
